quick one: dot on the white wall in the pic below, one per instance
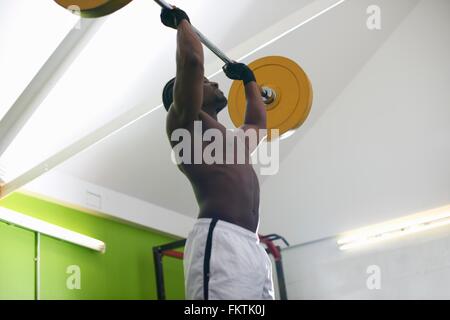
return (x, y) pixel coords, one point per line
(414, 267)
(382, 150)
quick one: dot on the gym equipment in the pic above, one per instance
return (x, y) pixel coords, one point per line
(93, 8)
(292, 97)
(285, 88)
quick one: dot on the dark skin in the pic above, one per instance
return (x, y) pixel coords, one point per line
(229, 192)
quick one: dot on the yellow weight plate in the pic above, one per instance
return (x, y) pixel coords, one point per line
(93, 8)
(293, 89)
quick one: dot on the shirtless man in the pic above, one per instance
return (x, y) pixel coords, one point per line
(223, 258)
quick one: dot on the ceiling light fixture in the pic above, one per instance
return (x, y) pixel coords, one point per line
(54, 231)
(396, 228)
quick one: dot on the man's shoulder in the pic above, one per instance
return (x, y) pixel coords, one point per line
(174, 122)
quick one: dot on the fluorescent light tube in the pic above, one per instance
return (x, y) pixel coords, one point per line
(54, 231)
(396, 228)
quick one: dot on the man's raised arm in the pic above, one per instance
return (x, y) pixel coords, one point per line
(188, 89)
(256, 114)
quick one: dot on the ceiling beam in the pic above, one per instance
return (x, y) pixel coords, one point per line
(45, 79)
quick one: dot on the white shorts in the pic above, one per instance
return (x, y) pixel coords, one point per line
(239, 267)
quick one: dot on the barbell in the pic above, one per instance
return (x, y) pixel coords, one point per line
(285, 88)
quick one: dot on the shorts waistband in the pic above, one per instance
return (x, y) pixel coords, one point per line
(223, 225)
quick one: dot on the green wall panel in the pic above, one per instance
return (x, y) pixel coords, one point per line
(125, 271)
(16, 263)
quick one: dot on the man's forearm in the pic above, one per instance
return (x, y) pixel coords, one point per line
(255, 114)
(189, 47)
(256, 110)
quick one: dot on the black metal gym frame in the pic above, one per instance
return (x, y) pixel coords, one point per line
(168, 250)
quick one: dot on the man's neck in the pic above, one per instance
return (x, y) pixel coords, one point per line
(212, 114)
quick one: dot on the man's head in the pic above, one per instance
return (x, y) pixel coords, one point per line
(214, 100)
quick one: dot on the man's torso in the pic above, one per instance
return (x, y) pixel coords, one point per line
(229, 192)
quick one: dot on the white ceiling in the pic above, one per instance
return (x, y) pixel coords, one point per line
(332, 49)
